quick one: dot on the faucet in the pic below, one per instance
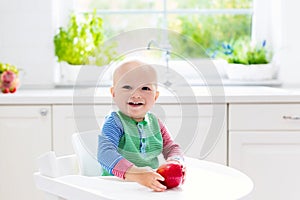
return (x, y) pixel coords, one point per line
(166, 56)
(151, 43)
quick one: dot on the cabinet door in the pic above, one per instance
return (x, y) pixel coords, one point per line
(25, 134)
(199, 123)
(68, 120)
(271, 159)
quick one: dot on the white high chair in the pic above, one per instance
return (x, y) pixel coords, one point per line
(77, 177)
(83, 162)
(85, 147)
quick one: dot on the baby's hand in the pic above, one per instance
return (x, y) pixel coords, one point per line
(145, 176)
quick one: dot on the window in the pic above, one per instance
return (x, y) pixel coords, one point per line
(209, 23)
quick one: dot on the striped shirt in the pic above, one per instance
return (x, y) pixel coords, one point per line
(124, 143)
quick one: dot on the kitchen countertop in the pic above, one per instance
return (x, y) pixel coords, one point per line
(199, 94)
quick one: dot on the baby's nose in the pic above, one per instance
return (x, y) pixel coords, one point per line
(136, 94)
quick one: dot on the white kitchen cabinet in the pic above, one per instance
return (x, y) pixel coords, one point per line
(68, 119)
(25, 134)
(264, 143)
(65, 123)
(199, 123)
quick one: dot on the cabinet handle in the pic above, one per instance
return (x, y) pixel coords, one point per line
(291, 117)
(43, 111)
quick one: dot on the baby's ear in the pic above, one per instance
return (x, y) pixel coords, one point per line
(156, 95)
(112, 91)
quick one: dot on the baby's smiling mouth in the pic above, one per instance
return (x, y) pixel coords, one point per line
(135, 103)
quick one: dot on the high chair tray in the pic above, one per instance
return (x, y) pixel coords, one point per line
(204, 180)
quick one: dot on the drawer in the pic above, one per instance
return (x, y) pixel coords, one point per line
(190, 110)
(264, 117)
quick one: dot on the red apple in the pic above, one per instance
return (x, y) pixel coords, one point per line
(172, 172)
(5, 90)
(12, 90)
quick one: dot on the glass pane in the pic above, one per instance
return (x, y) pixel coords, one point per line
(117, 23)
(210, 31)
(119, 4)
(207, 29)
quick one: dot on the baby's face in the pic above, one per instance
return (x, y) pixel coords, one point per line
(135, 91)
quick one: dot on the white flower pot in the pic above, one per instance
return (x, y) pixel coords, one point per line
(256, 72)
(69, 73)
(83, 74)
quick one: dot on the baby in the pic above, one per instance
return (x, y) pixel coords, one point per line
(132, 138)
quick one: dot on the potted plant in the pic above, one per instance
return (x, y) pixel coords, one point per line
(81, 43)
(248, 60)
(9, 80)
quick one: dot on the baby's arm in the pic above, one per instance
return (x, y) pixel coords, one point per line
(108, 156)
(171, 150)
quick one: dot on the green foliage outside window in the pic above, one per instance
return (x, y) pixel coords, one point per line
(211, 31)
(208, 30)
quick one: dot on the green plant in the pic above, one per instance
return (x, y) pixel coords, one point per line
(245, 51)
(82, 41)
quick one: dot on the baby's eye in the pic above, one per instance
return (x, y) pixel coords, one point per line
(127, 87)
(146, 88)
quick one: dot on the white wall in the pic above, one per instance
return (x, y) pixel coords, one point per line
(27, 28)
(26, 32)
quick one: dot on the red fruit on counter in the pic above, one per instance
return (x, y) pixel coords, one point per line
(8, 76)
(5, 90)
(12, 90)
(172, 172)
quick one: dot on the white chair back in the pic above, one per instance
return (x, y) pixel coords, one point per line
(85, 146)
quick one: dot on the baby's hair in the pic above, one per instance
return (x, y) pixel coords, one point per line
(122, 62)
(129, 60)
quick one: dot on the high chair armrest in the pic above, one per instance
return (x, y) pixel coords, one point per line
(52, 166)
